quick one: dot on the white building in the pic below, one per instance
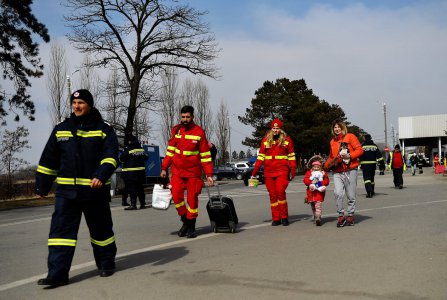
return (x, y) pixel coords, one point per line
(428, 131)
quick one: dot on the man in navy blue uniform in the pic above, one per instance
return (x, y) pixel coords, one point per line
(370, 158)
(80, 156)
(134, 174)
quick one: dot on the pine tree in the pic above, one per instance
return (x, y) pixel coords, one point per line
(19, 54)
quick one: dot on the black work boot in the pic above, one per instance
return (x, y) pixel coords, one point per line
(184, 229)
(124, 201)
(191, 229)
(52, 282)
(133, 205)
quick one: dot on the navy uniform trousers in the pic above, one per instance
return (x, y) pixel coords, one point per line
(64, 231)
(369, 171)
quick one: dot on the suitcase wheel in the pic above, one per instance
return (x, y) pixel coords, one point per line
(232, 227)
(213, 226)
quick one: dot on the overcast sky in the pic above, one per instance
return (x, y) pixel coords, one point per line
(357, 54)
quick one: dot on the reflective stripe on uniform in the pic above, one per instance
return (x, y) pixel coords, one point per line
(78, 181)
(103, 243)
(62, 242)
(282, 201)
(136, 150)
(93, 133)
(180, 204)
(133, 169)
(62, 133)
(109, 160)
(365, 162)
(274, 204)
(277, 157)
(193, 137)
(205, 153)
(206, 159)
(47, 171)
(186, 152)
(192, 210)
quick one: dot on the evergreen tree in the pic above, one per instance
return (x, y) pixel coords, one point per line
(17, 27)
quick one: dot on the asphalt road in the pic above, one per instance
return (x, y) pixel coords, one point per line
(396, 250)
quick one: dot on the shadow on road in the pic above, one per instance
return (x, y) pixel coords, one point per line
(155, 257)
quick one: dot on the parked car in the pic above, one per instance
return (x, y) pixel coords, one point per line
(249, 171)
(239, 165)
(221, 172)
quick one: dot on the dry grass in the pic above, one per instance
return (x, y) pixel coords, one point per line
(26, 202)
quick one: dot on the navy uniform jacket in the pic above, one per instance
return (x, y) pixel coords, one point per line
(78, 150)
(133, 159)
(371, 156)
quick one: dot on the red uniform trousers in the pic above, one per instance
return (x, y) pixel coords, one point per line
(276, 187)
(193, 186)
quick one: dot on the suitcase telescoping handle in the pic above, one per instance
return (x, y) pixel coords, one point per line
(218, 192)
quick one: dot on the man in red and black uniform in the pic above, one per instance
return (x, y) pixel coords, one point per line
(396, 162)
(188, 153)
(277, 154)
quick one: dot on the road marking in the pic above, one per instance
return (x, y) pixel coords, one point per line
(33, 279)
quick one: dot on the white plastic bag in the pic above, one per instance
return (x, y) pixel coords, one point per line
(161, 198)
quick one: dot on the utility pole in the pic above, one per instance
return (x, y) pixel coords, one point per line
(384, 117)
(393, 134)
(229, 139)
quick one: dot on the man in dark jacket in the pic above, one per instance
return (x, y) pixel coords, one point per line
(370, 158)
(80, 156)
(396, 162)
(134, 175)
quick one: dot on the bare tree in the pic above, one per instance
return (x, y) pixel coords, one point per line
(89, 78)
(13, 142)
(196, 94)
(188, 93)
(56, 82)
(140, 38)
(169, 104)
(115, 107)
(203, 115)
(221, 132)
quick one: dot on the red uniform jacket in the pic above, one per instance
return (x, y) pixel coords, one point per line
(314, 196)
(188, 152)
(355, 150)
(277, 159)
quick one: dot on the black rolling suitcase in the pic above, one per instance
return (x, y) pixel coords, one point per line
(221, 211)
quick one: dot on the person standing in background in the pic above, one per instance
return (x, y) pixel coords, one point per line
(370, 158)
(396, 162)
(134, 171)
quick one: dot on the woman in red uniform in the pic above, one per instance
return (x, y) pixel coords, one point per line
(277, 154)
